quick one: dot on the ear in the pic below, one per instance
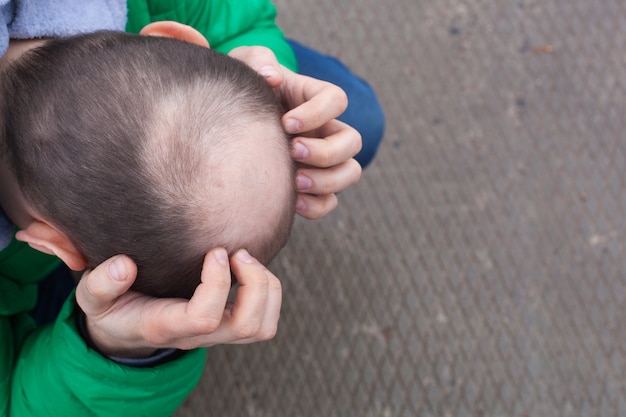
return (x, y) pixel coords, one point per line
(46, 238)
(170, 29)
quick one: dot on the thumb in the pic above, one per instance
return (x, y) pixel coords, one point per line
(100, 287)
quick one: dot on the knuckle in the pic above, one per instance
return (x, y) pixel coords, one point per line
(358, 142)
(267, 333)
(315, 213)
(356, 169)
(222, 284)
(330, 185)
(323, 207)
(317, 118)
(185, 345)
(274, 284)
(343, 99)
(155, 338)
(331, 203)
(157, 341)
(340, 97)
(262, 279)
(326, 158)
(92, 288)
(205, 325)
(247, 331)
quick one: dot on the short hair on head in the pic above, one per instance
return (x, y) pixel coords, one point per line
(118, 140)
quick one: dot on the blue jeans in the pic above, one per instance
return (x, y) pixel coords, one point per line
(364, 112)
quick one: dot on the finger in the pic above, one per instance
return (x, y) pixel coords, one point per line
(242, 322)
(329, 180)
(270, 316)
(269, 326)
(222, 335)
(243, 319)
(252, 295)
(317, 103)
(339, 143)
(262, 60)
(228, 333)
(252, 317)
(315, 206)
(98, 289)
(164, 321)
(172, 319)
(206, 306)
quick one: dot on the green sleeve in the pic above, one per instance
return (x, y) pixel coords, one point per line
(50, 371)
(56, 374)
(21, 268)
(226, 24)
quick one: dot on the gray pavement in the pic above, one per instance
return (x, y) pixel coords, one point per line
(478, 268)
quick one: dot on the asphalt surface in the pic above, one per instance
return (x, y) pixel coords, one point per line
(477, 269)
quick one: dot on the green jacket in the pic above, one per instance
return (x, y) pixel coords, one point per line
(226, 24)
(49, 370)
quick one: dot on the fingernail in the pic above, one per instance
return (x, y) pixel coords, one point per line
(300, 205)
(303, 183)
(268, 71)
(117, 270)
(293, 125)
(244, 256)
(221, 256)
(300, 151)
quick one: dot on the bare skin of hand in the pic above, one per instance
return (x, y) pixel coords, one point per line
(129, 324)
(323, 147)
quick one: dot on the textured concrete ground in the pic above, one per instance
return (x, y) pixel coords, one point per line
(478, 267)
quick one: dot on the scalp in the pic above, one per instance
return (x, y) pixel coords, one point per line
(136, 145)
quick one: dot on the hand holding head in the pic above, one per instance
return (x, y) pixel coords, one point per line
(323, 147)
(128, 324)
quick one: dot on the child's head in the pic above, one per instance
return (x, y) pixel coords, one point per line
(150, 147)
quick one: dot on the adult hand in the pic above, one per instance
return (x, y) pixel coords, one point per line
(322, 146)
(129, 324)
